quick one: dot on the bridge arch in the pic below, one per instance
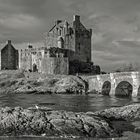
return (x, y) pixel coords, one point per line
(131, 79)
(106, 88)
(124, 88)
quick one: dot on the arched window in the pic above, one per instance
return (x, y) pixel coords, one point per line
(79, 47)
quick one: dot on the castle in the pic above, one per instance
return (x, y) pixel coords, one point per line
(67, 50)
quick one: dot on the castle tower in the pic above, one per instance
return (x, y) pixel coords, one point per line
(82, 40)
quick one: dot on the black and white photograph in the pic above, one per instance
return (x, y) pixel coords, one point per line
(69, 69)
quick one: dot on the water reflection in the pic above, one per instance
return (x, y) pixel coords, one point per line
(76, 103)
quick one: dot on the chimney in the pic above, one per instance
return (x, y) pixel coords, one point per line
(76, 18)
(9, 42)
(57, 22)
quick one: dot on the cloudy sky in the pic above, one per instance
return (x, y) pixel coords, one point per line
(115, 24)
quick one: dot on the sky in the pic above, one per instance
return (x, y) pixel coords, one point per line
(115, 24)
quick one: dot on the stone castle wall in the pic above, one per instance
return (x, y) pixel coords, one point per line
(9, 57)
(46, 61)
(82, 41)
(55, 65)
(75, 37)
(25, 60)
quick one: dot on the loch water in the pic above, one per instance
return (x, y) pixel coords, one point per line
(75, 103)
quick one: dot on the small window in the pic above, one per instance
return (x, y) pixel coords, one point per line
(59, 32)
(77, 34)
(79, 47)
(88, 59)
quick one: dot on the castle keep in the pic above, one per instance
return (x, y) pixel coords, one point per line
(67, 50)
(73, 37)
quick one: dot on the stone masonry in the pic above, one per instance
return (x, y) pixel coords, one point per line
(124, 84)
(73, 37)
(50, 61)
(9, 57)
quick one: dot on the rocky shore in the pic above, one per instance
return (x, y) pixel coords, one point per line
(24, 82)
(19, 121)
(46, 122)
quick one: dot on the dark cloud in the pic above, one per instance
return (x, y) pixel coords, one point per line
(115, 24)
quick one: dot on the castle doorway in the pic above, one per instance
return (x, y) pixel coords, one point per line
(35, 68)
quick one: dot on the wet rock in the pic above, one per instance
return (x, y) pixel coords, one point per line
(136, 123)
(137, 130)
(128, 135)
(70, 84)
(128, 113)
(19, 121)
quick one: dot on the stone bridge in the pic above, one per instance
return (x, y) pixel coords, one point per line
(123, 83)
